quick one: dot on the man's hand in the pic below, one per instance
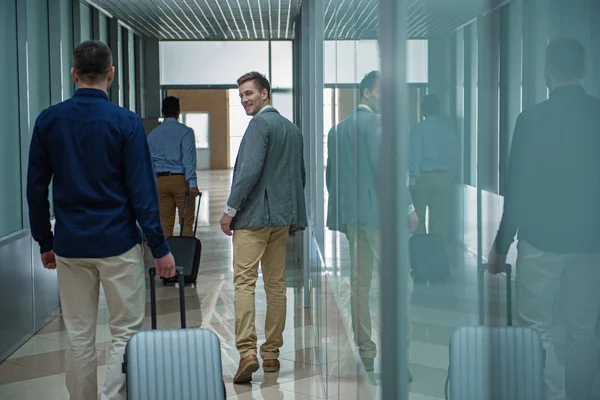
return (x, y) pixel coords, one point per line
(194, 192)
(226, 224)
(165, 266)
(496, 262)
(49, 260)
(414, 222)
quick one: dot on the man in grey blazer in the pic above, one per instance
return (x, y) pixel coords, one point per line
(265, 204)
(353, 205)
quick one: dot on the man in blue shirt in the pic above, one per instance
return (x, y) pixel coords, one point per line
(434, 152)
(97, 156)
(173, 149)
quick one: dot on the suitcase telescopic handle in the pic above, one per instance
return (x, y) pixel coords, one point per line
(508, 271)
(180, 275)
(182, 219)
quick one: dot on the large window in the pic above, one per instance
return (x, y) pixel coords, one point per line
(238, 122)
(211, 63)
(347, 61)
(10, 161)
(200, 124)
(281, 64)
(283, 101)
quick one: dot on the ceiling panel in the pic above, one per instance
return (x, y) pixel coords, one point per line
(207, 19)
(275, 19)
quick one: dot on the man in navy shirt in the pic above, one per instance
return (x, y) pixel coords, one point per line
(103, 183)
(552, 199)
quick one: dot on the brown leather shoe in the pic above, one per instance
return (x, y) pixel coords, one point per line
(271, 365)
(248, 366)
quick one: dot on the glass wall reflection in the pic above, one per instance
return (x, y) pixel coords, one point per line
(501, 130)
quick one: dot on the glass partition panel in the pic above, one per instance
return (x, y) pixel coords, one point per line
(10, 151)
(86, 21)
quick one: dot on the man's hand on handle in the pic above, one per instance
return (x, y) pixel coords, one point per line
(165, 266)
(414, 222)
(194, 192)
(496, 263)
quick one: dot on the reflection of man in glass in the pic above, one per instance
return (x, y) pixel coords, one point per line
(433, 163)
(552, 199)
(352, 183)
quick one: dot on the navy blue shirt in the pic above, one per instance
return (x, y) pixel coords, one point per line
(97, 157)
(552, 194)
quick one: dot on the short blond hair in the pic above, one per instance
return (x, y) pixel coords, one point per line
(261, 81)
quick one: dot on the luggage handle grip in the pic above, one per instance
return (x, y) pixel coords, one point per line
(180, 275)
(508, 271)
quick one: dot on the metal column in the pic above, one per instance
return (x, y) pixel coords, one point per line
(393, 190)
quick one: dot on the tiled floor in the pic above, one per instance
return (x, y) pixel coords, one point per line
(36, 370)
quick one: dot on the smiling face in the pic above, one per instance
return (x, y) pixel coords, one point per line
(253, 99)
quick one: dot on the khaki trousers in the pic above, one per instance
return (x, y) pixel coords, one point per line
(122, 278)
(171, 197)
(543, 277)
(365, 250)
(433, 191)
(268, 246)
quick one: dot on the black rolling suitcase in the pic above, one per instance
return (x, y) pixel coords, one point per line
(428, 258)
(186, 250)
(173, 364)
(495, 362)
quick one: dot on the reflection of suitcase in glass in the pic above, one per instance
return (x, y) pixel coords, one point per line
(428, 258)
(496, 363)
(173, 364)
(186, 250)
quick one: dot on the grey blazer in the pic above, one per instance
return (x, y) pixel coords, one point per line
(352, 175)
(269, 176)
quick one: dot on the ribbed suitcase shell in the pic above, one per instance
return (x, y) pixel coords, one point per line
(496, 363)
(174, 364)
